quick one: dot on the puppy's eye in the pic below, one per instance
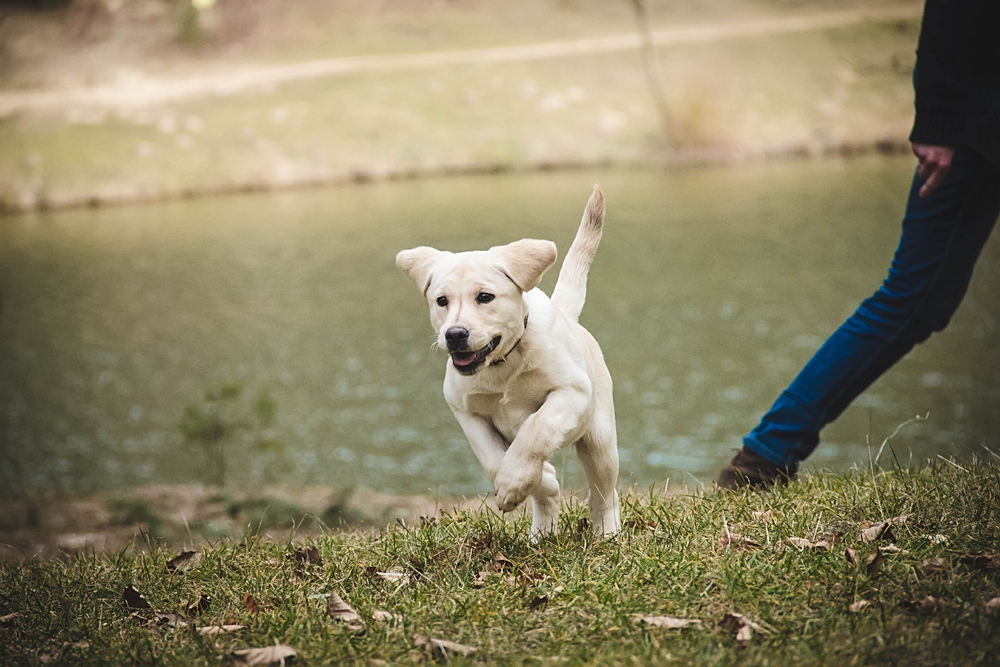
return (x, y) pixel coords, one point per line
(484, 297)
(442, 301)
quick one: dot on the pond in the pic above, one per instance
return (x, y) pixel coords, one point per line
(265, 339)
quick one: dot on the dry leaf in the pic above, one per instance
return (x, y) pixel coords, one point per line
(9, 618)
(763, 517)
(734, 541)
(557, 590)
(394, 575)
(308, 556)
(668, 622)
(742, 626)
(930, 602)
(933, 565)
(982, 561)
(383, 616)
(482, 544)
(170, 618)
(874, 562)
(538, 602)
(184, 561)
(801, 543)
(893, 549)
(637, 525)
(200, 606)
(851, 556)
(342, 611)
(859, 605)
(992, 604)
(480, 579)
(501, 561)
(212, 630)
(883, 529)
(441, 649)
(250, 604)
(269, 655)
(133, 599)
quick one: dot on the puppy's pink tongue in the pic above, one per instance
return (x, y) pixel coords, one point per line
(463, 359)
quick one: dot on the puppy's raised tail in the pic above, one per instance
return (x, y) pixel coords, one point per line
(571, 287)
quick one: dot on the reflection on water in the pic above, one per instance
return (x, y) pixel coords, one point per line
(711, 288)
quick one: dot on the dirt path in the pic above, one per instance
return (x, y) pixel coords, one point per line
(146, 92)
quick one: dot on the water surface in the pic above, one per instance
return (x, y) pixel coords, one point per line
(711, 288)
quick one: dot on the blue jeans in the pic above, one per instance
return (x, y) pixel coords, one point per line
(941, 240)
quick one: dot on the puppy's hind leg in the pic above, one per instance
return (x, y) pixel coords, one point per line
(545, 500)
(599, 455)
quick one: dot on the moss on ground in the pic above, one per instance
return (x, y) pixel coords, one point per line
(472, 577)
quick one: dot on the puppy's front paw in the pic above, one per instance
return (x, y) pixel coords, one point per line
(514, 482)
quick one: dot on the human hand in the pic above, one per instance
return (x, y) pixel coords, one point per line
(934, 164)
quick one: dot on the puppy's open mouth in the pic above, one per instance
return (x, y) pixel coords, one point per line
(468, 362)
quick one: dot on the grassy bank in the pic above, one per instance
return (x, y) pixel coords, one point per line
(472, 578)
(734, 95)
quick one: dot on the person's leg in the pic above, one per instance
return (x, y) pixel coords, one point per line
(941, 240)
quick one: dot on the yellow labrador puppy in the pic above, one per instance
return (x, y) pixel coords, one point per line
(524, 378)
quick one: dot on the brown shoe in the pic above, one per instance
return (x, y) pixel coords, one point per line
(749, 469)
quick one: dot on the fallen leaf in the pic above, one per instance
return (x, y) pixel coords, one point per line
(802, 544)
(992, 604)
(199, 606)
(851, 556)
(763, 516)
(637, 525)
(557, 590)
(538, 602)
(170, 618)
(269, 655)
(930, 602)
(133, 599)
(9, 618)
(383, 616)
(734, 541)
(859, 605)
(441, 649)
(480, 579)
(308, 556)
(936, 539)
(212, 630)
(250, 604)
(933, 565)
(668, 622)
(982, 561)
(874, 562)
(394, 575)
(184, 561)
(883, 529)
(893, 549)
(741, 626)
(501, 561)
(341, 611)
(482, 544)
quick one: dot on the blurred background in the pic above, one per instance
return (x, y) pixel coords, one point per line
(201, 324)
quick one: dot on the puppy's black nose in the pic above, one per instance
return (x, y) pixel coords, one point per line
(456, 337)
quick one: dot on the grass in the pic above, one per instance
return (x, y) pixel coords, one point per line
(570, 599)
(809, 91)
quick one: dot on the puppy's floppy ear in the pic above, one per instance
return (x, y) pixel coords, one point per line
(525, 261)
(417, 263)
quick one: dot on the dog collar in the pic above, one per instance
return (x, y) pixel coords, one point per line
(497, 362)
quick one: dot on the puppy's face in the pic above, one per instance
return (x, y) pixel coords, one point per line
(475, 297)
